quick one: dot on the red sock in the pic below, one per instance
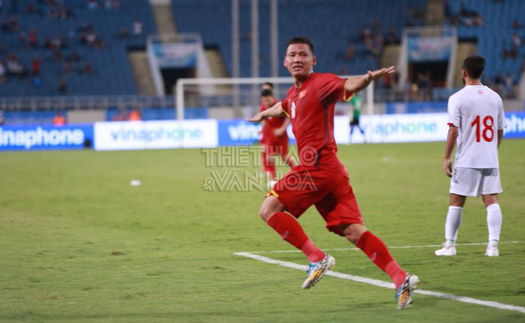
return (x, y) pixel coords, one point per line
(286, 158)
(377, 251)
(291, 231)
(289, 161)
(268, 165)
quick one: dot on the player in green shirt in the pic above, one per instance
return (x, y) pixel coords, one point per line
(356, 104)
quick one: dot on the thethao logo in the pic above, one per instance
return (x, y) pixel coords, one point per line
(40, 137)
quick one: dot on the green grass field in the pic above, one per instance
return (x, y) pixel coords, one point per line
(79, 244)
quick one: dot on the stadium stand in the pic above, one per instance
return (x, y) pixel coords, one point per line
(491, 24)
(83, 48)
(314, 18)
(362, 28)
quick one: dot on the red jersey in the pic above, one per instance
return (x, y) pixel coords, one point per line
(311, 112)
(270, 125)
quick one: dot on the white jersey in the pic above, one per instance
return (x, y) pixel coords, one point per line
(478, 113)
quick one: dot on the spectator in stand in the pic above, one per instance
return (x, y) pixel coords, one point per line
(2, 120)
(120, 115)
(31, 9)
(33, 38)
(2, 72)
(516, 40)
(391, 37)
(116, 4)
(513, 53)
(135, 115)
(36, 66)
(57, 55)
(62, 86)
(350, 52)
(74, 57)
(123, 33)
(137, 27)
(516, 24)
(92, 4)
(88, 69)
(68, 67)
(37, 81)
(14, 25)
(91, 37)
(59, 120)
(85, 28)
(22, 39)
(423, 85)
(99, 44)
(15, 67)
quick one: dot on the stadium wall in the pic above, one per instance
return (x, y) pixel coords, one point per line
(209, 133)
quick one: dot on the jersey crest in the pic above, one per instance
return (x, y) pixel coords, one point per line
(302, 94)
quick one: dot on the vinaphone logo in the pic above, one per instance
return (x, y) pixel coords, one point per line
(245, 131)
(406, 128)
(29, 138)
(156, 134)
(515, 123)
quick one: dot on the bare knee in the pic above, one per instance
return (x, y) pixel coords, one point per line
(490, 199)
(270, 206)
(457, 200)
(352, 232)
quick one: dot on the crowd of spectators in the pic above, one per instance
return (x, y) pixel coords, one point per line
(61, 55)
(465, 16)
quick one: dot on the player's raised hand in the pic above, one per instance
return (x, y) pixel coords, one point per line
(377, 74)
(257, 118)
(448, 167)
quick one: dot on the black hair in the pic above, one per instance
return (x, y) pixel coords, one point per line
(266, 93)
(269, 84)
(474, 65)
(301, 40)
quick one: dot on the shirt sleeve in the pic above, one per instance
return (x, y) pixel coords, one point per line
(501, 116)
(285, 106)
(454, 116)
(331, 89)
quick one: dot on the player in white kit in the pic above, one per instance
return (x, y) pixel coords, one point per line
(476, 120)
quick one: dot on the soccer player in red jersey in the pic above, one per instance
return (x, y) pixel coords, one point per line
(274, 136)
(321, 179)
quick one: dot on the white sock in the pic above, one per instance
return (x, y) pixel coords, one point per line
(494, 219)
(452, 225)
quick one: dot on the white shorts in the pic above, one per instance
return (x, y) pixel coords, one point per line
(475, 181)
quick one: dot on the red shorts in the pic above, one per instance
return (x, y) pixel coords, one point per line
(330, 192)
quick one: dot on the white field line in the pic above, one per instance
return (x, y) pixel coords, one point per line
(392, 247)
(380, 283)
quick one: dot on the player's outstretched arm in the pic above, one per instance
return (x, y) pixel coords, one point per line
(275, 111)
(451, 142)
(358, 83)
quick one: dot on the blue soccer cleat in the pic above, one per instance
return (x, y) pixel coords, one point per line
(317, 270)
